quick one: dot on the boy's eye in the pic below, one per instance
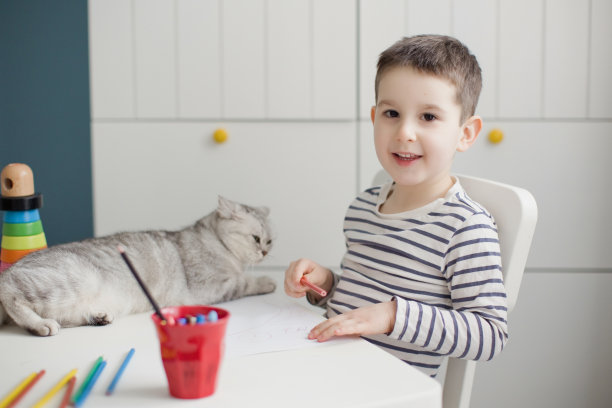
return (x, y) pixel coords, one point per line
(391, 113)
(256, 238)
(428, 117)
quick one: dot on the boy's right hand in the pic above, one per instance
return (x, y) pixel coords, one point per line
(314, 272)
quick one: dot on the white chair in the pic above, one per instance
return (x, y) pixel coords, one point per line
(515, 212)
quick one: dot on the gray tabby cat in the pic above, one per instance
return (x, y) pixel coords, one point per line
(88, 283)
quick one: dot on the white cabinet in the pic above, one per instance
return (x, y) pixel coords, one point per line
(231, 59)
(168, 175)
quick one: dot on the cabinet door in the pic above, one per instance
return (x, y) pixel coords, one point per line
(168, 175)
(155, 58)
(520, 58)
(566, 167)
(111, 59)
(566, 47)
(231, 59)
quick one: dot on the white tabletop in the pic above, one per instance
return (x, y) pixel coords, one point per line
(346, 373)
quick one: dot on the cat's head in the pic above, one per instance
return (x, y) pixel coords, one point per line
(244, 230)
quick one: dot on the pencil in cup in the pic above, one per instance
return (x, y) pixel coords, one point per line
(141, 283)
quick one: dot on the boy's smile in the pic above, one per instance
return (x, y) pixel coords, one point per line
(417, 130)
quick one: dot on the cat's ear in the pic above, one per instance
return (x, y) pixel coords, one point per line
(264, 211)
(229, 209)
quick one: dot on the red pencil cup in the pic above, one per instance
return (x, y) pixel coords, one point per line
(191, 353)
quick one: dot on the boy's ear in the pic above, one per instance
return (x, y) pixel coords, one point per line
(469, 132)
(373, 113)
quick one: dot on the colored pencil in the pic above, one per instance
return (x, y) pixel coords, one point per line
(55, 389)
(90, 385)
(120, 371)
(27, 388)
(68, 393)
(141, 283)
(18, 390)
(83, 385)
(312, 286)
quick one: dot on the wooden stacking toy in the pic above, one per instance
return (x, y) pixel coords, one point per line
(22, 231)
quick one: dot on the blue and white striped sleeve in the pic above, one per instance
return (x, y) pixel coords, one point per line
(475, 328)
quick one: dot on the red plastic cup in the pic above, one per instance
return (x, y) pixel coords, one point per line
(191, 353)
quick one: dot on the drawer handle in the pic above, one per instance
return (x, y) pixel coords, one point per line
(496, 136)
(220, 135)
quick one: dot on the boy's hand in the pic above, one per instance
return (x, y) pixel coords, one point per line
(316, 274)
(373, 319)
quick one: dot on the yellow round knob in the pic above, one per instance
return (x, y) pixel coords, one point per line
(220, 135)
(496, 136)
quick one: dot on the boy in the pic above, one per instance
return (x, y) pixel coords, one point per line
(421, 277)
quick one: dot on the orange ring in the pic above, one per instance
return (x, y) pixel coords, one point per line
(13, 255)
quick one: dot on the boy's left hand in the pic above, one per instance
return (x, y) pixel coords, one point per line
(372, 319)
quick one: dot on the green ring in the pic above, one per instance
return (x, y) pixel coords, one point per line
(22, 230)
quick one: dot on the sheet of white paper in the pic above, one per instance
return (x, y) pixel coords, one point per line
(262, 324)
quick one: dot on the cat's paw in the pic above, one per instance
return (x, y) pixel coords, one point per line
(46, 327)
(265, 284)
(101, 319)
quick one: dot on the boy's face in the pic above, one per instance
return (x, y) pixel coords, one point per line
(417, 127)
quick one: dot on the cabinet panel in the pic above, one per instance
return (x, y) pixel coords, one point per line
(199, 59)
(243, 57)
(520, 58)
(155, 56)
(111, 59)
(600, 86)
(566, 167)
(381, 23)
(334, 59)
(475, 24)
(167, 175)
(565, 64)
(289, 70)
(428, 17)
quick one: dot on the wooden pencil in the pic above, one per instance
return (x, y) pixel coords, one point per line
(141, 283)
(55, 389)
(27, 388)
(68, 393)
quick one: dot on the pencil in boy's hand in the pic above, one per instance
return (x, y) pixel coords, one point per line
(312, 286)
(141, 283)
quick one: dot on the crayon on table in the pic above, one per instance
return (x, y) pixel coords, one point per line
(90, 385)
(24, 391)
(55, 389)
(68, 393)
(119, 373)
(87, 379)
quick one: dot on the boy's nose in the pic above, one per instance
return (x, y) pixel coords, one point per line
(406, 133)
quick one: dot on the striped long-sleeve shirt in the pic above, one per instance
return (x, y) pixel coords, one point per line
(441, 263)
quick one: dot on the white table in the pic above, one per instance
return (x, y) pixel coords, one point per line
(346, 373)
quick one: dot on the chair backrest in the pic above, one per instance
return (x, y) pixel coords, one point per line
(515, 212)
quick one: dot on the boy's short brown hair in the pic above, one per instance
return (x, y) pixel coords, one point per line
(439, 55)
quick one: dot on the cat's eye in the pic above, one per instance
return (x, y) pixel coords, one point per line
(269, 242)
(256, 238)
